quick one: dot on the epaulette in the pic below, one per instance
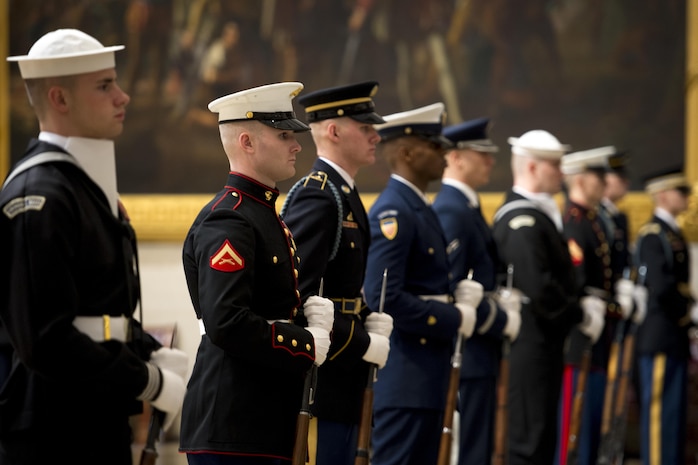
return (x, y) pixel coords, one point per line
(316, 179)
(649, 228)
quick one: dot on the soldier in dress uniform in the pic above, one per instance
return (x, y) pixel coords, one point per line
(407, 240)
(240, 264)
(590, 251)
(471, 247)
(329, 224)
(615, 220)
(70, 281)
(662, 339)
(528, 231)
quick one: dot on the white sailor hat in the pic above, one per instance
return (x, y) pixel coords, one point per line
(271, 104)
(425, 122)
(65, 52)
(587, 160)
(666, 180)
(538, 144)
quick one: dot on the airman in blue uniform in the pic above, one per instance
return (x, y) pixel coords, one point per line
(471, 247)
(407, 240)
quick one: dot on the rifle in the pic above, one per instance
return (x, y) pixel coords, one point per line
(364, 436)
(451, 400)
(500, 438)
(612, 452)
(300, 444)
(150, 454)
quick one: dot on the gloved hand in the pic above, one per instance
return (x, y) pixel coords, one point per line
(513, 325)
(171, 389)
(378, 349)
(594, 317)
(379, 323)
(469, 292)
(171, 359)
(640, 297)
(509, 299)
(322, 343)
(624, 296)
(319, 312)
(468, 319)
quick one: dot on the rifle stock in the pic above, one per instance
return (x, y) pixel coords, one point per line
(451, 399)
(578, 403)
(500, 437)
(149, 454)
(364, 435)
(300, 445)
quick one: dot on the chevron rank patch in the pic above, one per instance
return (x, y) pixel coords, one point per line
(521, 221)
(453, 246)
(227, 259)
(23, 204)
(576, 252)
(389, 227)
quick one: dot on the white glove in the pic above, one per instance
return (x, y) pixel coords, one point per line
(171, 359)
(468, 319)
(513, 325)
(594, 313)
(469, 292)
(322, 343)
(694, 313)
(319, 312)
(171, 389)
(509, 299)
(640, 297)
(378, 349)
(379, 323)
(624, 296)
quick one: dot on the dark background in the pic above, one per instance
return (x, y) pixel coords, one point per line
(592, 72)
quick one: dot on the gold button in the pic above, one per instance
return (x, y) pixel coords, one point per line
(431, 321)
(280, 338)
(423, 341)
(450, 276)
(287, 231)
(294, 343)
(308, 347)
(234, 194)
(295, 311)
(431, 251)
(275, 259)
(295, 272)
(298, 259)
(298, 293)
(340, 112)
(352, 245)
(249, 114)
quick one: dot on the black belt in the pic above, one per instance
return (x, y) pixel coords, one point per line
(348, 306)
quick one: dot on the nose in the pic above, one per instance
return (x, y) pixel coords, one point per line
(123, 98)
(375, 137)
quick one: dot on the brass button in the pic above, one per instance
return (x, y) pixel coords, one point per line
(431, 321)
(308, 347)
(295, 272)
(280, 338)
(293, 251)
(294, 343)
(423, 341)
(275, 259)
(431, 251)
(352, 245)
(295, 311)
(298, 293)
(234, 194)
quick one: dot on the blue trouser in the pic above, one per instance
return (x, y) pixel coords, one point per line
(477, 403)
(406, 436)
(332, 443)
(225, 459)
(663, 398)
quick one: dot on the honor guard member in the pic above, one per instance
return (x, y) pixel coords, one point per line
(407, 240)
(471, 247)
(240, 264)
(70, 280)
(590, 251)
(329, 224)
(662, 339)
(615, 220)
(528, 232)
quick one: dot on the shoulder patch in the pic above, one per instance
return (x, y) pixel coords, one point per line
(316, 179)
(389, 227)
(576, 252)
(453, 246)
(23, 204)
(521, 221)
(649, 228)
(227, 259)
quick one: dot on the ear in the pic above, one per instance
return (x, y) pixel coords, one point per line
(246, 142)
(58, 98)
(332, 132)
